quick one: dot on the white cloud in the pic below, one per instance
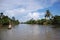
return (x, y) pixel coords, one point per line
(28, 4)
(14, 12)
(24, 8)
(34, 15)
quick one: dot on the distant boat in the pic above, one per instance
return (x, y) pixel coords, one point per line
(10, 26)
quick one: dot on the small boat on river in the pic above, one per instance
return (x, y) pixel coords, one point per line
(9, 27)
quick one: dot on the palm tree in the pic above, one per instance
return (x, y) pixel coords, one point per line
(48, 14)
(1, 15)
(13, 18)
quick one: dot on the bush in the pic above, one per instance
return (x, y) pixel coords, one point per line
(56, 20)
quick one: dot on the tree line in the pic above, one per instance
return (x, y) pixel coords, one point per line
(5, 20)
(49, 19)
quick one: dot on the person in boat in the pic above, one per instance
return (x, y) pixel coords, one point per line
(9, 25)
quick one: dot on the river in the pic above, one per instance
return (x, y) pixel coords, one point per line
(30, 32)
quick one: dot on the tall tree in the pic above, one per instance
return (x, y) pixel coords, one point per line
(13, 18)
(48, 14)
(1, 15)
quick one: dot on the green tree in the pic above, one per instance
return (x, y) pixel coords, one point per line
(1, 14)
(38, 21)
(5, 20)
(48, 14)
(13, 18)
(31, 21)
(56, 20)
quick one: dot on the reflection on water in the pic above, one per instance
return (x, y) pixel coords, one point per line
(30, 32)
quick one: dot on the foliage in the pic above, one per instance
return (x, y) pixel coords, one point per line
(5, 20)
(48, 14)
(31, 21)
(38, 21)
(56, 20)
(52, 19)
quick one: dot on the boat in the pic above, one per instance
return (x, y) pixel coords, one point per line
(9, 27)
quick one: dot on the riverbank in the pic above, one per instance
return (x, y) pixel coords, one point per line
(5, 20)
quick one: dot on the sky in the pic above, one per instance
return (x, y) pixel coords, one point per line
(24, 10)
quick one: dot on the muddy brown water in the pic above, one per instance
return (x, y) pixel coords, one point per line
(30, 32)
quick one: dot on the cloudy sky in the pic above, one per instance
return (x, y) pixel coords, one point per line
(24, 10)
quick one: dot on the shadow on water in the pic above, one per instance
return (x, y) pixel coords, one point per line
(6, 27)
(56, 26)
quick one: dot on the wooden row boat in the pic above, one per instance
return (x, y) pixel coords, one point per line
(9, 27)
